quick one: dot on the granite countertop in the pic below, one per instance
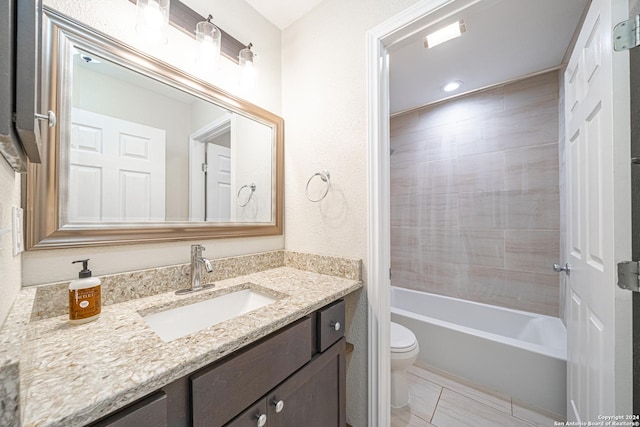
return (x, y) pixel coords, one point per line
(71, 375)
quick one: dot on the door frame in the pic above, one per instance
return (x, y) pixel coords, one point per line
(196, 158)
(378, 42)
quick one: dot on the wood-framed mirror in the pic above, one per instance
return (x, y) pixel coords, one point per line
(144, 152)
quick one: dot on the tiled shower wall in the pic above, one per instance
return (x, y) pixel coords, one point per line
(475, 206)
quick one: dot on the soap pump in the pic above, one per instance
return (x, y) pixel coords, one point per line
(84, 296)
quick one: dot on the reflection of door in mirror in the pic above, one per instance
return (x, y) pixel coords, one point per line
(117, 170)
(210, 168)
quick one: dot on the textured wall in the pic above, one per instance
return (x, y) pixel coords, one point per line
(54, 265)
(475, 202)
(324, 104)
(10, 266)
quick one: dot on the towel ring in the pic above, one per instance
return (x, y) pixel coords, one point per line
(324, 176)
(252, 187)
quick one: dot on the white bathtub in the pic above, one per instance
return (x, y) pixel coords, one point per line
(516, 353)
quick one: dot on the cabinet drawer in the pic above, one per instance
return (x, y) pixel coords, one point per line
(149, 412)
(223, 391)
(330, 325)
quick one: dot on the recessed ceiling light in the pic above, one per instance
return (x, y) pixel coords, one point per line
(451, 86)
(445, 34)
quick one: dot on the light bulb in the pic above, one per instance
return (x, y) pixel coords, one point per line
(152, 15)
(153, 20)
(208, 38)
(451, 86)
(248, 68)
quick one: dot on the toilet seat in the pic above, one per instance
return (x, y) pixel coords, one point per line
(402, 340)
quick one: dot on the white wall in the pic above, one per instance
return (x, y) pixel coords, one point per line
(10, 266)
(117, 18)
(325, 102)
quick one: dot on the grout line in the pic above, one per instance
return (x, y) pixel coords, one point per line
(435, 408)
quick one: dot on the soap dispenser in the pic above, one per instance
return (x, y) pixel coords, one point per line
(84, 296)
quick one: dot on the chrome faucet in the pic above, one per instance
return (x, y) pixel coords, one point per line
(197, 261)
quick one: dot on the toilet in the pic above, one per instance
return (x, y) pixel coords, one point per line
(404, 351)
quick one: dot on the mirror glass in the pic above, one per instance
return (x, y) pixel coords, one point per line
(140, 150)
(143, 151)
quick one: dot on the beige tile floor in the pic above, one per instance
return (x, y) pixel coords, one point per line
(442, 401)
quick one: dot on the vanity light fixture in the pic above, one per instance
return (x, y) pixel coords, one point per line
(208, 38)
(152, 20)
(452, 86)
(445, 34)
(247, 61)
(211, 45)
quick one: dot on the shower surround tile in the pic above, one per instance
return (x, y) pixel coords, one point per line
(429, 210)
(425, 145)
(533, 210)
(482, 210)
(532, 251)
(487, 102)
(483, 171)
(523, 127)
(538, 290)
(482, 247)
(532, 91)
(532, 168)
(424, 178)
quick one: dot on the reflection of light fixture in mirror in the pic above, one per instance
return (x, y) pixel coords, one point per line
(248, 67)
(445, 34)
(208, 37)
(451, 86)
(152, 20)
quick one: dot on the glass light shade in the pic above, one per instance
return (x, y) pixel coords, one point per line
(152, 20)
(247, 61)
(208, 38)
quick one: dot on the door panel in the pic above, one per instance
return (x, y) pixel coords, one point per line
(598, 224)
(125, 163)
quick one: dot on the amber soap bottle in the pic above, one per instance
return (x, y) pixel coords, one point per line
(84, 296)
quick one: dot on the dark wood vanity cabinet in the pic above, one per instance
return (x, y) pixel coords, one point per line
(312, 397)
(291, 378)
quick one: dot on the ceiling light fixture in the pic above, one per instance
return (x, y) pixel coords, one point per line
(445, 34)
(451, 86)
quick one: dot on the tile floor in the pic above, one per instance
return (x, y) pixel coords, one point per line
(442, 401)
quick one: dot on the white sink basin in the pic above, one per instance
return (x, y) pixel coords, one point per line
(185, 320)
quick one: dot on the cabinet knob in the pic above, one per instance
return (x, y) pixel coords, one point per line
(335, 325)
(279, 404)
(49, 117)
(262, 420)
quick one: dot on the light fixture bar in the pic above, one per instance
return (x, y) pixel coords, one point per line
(444, 34)
(185, 19)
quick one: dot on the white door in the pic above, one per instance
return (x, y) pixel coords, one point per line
(598, 221)
(218, 183)
(117, 170)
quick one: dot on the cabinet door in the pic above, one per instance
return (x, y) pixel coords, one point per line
(314, 396)
(222, 391)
